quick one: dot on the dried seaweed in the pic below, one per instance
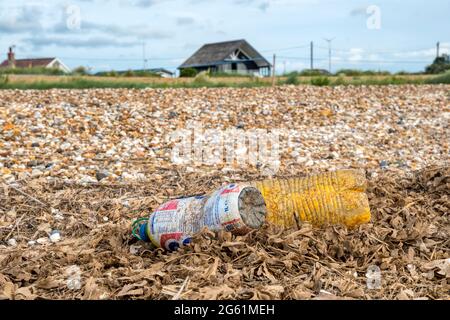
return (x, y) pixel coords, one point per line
(408, 239)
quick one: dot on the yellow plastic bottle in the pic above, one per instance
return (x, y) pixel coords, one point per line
(330, 198)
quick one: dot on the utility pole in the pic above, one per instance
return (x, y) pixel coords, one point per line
(312, 55)
(329, 53)
(273, 70)
(144, 59)
(437, 49)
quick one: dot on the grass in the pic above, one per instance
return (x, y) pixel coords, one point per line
(307, 73)
(83, 83)
(74, 83)
(128, 74)
(31, 71)
(292, 79)
(44, 82)
(443, 78)
(358, 80)
(320, 81)
(356, 72)
(229, 75)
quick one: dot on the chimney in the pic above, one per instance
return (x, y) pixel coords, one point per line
(11, 58)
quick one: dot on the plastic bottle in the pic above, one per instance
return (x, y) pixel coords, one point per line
(237, 208)
(330, 198)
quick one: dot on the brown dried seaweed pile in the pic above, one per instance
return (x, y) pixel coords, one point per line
(408, 239)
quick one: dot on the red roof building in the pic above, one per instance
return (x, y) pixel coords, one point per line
(12, 62)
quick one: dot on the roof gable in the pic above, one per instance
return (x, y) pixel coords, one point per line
(27, 63)
(214, 53)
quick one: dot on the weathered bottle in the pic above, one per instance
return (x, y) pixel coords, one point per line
(237, 208)
(330, 198)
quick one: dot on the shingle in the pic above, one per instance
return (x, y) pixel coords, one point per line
(26, 63)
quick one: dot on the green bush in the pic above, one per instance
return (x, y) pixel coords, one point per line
(348, 72)
(145, 73)
(292, 79)
(202, 80)
(128, 73)
(296, 73)
(311, 73)
(340, 81)
(439, 65)
(81, 71)
(4, 79)
(320, 81)
(442, 79)
(33, 71)
(72, 83)
(188, 72)
(358, 73)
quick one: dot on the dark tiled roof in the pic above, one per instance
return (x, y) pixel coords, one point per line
(26, 63)
(215, 53)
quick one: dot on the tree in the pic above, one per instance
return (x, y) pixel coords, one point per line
(188, 72)
(439, 65)
(80, 71)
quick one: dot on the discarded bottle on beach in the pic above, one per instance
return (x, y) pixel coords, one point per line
(237, 208)
(329, 198)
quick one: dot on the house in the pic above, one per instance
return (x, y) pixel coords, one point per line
(48, 63)
(164, 73)
(236, 56)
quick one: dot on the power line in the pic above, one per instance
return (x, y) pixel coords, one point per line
(143, 56)
(382, 61)
(120, 59)
(342, 50)
(337, 60)
(302, 58)
(329, 53)
(284, 49)
(356, 60)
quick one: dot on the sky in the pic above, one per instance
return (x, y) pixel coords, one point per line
(103, 35)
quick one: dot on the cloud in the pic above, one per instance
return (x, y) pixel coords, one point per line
(183, 21)
(425, 53)
(262, 5)
(20, 19)
(146, 3)
(137, 31)
(355, 54)
(292, 66)
(373, 57)
(93, 42)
